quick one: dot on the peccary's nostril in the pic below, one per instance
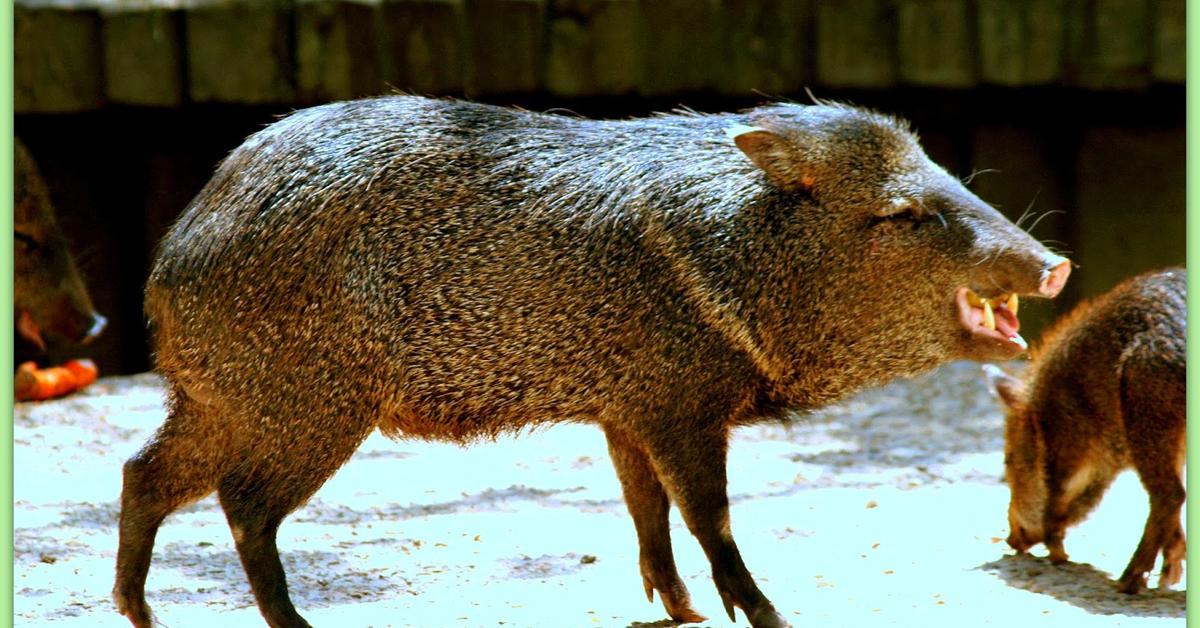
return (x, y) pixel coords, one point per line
(1053, 279)
(98, 325)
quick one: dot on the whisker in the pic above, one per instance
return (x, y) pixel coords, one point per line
(975, 173)
(1047, 213)
(1028, 208)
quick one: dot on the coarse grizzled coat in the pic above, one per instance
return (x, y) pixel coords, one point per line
(447, 270)
(1105, 391)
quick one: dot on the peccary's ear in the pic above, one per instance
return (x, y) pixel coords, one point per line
(773, 155)
(1009, 389)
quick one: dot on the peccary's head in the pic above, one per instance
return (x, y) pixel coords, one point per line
(1023, 456)
(896, 263)
(48, 294)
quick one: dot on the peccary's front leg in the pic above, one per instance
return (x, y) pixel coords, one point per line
(1074, 485)
(649, 507)
(692, 467)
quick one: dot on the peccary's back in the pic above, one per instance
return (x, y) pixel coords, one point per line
(1127, 347)
(472, 266)
(1145, 314)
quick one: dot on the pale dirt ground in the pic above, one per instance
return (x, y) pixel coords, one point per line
(886, 510)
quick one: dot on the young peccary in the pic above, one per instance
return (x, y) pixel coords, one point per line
(441, 269)
(51, 301)
(1105, 392)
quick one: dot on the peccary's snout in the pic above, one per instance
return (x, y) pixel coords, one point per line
(67, 322)
(1012, 261)
(74, 319)
(95, 329)
(1055, 275)
(49, 296)
(1008, 265)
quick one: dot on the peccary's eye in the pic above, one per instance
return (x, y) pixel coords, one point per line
(898, 208)
(898, 211)
(26, 240)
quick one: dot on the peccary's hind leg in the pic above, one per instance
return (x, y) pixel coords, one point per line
(177, 466)
(254, 523)
(1161, 532)
(1173, 553)
(691, 465)
(649, 507)
(283, 472)
(1163, 481)
(1155, 418)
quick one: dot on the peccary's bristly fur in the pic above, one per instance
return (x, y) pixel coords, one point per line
(1105, 391)
(448, 270)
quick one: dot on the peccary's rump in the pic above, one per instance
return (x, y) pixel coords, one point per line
(441, 269)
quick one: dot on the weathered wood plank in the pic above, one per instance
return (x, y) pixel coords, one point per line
(422, 45)
(1110, 43)
(681, 40)
(936, 43)
(767, 47)
(143, 55)
(505, 41)
(240, 51)
(593, 48)
(58, 65)
(336, 51)
(856, 43)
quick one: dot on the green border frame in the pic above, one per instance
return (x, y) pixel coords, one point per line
(6, 313)
(1193, 256)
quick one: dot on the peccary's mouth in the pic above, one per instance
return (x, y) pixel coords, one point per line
(992, 318)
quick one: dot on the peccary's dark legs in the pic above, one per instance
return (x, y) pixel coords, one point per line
(254, 524)
(649, 507)
(691, 465)
(138, 526)
(1162, 528)
(169, 472)
(1156, 446)
(1073, 490)
(1162, 477)
(284, 471)
(1173, 553)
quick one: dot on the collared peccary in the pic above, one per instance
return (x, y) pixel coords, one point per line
(1106, 391)
(51, 301)
(441, 269)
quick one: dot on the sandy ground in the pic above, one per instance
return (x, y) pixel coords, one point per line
(886, 510)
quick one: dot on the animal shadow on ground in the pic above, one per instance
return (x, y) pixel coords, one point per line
(1086, 587)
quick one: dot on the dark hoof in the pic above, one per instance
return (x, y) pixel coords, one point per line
(136, 611)
(1132, 584)
(766, 617)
